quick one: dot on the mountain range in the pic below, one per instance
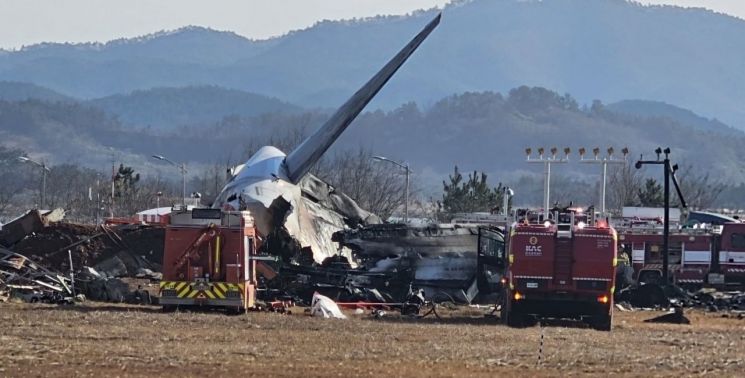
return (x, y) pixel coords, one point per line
(594, 49)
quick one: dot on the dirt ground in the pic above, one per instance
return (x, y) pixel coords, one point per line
(119, 340)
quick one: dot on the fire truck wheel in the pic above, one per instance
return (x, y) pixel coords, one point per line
(168, 308)
(601, 322)
(515, 319)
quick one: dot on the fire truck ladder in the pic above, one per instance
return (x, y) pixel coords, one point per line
(207, 235)
(563, 260)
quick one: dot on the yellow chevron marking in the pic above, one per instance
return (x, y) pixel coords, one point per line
(216, 290)
(181, 285)
(194, 293)
(184, 292)
(163, 283)
(209, 294)
(223, 286)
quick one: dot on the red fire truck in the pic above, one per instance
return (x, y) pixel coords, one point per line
(714, 256)
(208, 260)
(562, 269)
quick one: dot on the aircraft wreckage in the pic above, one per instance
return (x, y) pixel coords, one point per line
(269, 183)
(296, 214)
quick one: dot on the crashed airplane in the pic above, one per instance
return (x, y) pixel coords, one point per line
(269, 183)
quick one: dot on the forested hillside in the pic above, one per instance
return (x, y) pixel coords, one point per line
(167, 108)
(486, 131)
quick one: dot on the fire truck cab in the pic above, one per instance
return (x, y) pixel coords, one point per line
(560, 269)
(208, 260)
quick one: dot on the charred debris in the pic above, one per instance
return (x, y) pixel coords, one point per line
(44, 259)
(373, 263)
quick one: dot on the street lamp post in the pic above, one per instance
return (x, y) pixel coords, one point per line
(181, 166)
(669, 172)
(405, 167)
(44, 170)
(604, 161)
(547, 162)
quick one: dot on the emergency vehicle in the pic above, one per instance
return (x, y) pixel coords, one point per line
(697, 256)
(562, 268)
(209, 260)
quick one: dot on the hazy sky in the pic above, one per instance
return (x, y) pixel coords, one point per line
(25, 22)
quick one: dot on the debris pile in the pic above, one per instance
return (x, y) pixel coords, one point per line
(28, 223)
(714, 300)
(649, 296)
(38, 246)
(442, 260)
(390, 261)
(120, 251)
(27, 280)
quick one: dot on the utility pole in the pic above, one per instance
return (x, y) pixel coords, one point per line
(182, 167)
(669, 172)
(98, 199)
(44, 170)
(113, 181)
(603, 162)
(547, 162)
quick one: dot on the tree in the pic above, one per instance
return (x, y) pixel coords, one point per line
(12, 177)
(597, 107)
(125, 182)
(68, 186)
(471, 195)
(125, 190)
(651, 194)
(378, 187)
(624, 185)
(699, 190)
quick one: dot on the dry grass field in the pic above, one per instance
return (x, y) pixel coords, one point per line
(120, 340)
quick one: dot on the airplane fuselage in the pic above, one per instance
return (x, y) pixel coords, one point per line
(260, 181)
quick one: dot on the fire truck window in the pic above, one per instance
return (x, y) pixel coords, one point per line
(652, 253)
(738, 240)
(676, 252)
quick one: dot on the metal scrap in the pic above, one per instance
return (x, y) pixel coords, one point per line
(20, 274)
(26, 224)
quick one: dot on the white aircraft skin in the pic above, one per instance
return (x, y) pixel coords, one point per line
(270, 173)
(257, 183)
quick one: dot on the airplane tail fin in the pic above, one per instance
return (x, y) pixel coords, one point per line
(302, 158)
